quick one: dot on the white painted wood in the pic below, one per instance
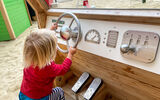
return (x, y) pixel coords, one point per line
(108, 52)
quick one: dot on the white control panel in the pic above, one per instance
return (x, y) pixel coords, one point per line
(140, 45)
(104, 38)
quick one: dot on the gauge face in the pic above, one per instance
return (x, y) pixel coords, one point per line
(93, 36)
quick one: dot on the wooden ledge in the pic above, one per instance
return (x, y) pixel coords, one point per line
(147, 16)
(113, 12)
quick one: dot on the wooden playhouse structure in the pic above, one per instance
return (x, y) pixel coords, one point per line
(123, 78)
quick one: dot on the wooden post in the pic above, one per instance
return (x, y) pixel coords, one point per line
(40, 12)
(41, 18)
(28, 12)
(6, 20)
(42, 4)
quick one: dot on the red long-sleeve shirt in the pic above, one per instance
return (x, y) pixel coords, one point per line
(37, 83)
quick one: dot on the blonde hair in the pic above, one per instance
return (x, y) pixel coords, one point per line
(39, 48)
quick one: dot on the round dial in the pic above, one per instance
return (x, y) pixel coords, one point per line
(93, 36)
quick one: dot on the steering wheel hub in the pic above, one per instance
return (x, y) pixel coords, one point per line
(65, 33)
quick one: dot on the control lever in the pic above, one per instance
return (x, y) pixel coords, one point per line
(81, 81)
(94, 86)
(125, 48)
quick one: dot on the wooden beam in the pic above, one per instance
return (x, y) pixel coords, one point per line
(114, 12)
(42, 4)
(41, 18)
(34, 4)
(115, 15)
(6, 20)
(28, 12)
(40, 13)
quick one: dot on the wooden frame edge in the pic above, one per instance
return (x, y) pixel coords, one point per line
(25, 2)
(41, 18)
(119, 18)
(40, 13)
(43, 4)
(6, 20)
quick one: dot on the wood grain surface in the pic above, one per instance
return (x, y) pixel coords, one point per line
(122, 81)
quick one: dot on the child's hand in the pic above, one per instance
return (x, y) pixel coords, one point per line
(72, 51)
(54, 26)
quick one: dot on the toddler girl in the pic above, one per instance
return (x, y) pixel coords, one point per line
(40, 69)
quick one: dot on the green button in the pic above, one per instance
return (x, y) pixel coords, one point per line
(60, 22)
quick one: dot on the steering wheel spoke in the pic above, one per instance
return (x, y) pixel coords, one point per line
(71, 23)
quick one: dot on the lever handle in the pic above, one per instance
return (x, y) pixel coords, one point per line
(125, 48)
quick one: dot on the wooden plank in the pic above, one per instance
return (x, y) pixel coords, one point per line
(42, 4)
(61, 80)
(114, 93)
(40, 13)
(128, 85)
(114, 12)
(35, 6)
(41, 18)
(7, 21)
(135, 83)
(28, 12)
(154, 20)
